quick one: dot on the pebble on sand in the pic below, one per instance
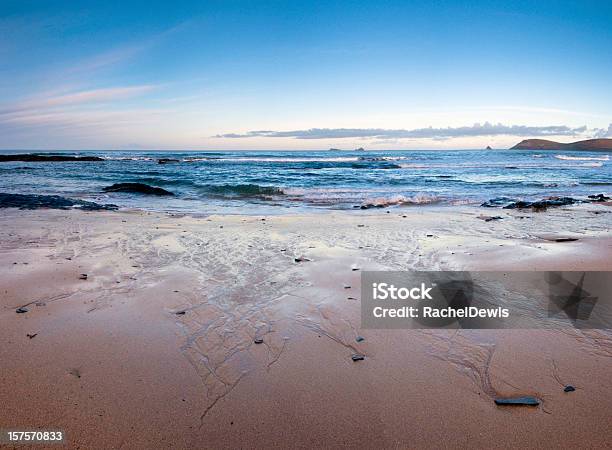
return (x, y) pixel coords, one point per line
(569, 388)
(258, 340)
(357, 357)
(21, 310)
(83, 276)
(360, 338)
(517, 401)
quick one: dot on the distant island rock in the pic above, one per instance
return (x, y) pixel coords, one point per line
(47, 158)
(593, 145)
(488, 147)
(360, 149)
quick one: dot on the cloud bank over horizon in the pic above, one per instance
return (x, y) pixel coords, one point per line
(476, 130)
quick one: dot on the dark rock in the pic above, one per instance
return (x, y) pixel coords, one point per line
(167, 160)
(258, 340)
(518, 205)
(569, 388)
(360, 338)
(47, 158)
(565, 239)
(497, 202)
(599, 198)
(301, 259)
(490, 218)
(540, 205)
(518, 401)
(34, 201)
(136, 188)
(32, 336)
(21, 310)
(83, 276)
(180, 313)
(357, 357)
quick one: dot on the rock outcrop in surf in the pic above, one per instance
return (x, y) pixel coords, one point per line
(47, 158)
(137, 188)
(541, 205)
(34, 201)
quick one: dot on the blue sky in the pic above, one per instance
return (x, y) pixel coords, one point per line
(302, 75)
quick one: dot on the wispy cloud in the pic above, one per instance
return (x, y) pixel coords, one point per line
(486, 129)
(44, 101)
(603, 133)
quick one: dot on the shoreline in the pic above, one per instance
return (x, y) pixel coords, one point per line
(157, 344)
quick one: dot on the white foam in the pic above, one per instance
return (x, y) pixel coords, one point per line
(583, 158)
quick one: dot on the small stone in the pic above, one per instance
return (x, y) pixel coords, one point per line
(83, 276)
(360, 338)
(301, 259)
(565, 239)
(569, 388)
(347, 286)
(180, 313)
(357, 357)
(517, 401)
(258, 340)
(31, 336)
(21, 310)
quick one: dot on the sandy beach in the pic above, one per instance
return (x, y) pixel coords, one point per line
(155, 348)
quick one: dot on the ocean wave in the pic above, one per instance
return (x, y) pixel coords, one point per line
(583, 158)
(597, 183)
(383, 158)
(128, 158)
(594, 164)
(290, 160)
(400, 200)
(244, 190)
(526, 166)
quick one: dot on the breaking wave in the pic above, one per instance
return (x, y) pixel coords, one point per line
(583, 158)
(244, 190)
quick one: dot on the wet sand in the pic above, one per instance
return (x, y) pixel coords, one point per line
(114, 365)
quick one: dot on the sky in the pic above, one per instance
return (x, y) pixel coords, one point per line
(291, 75)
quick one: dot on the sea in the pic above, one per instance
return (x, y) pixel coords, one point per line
(276, 182)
